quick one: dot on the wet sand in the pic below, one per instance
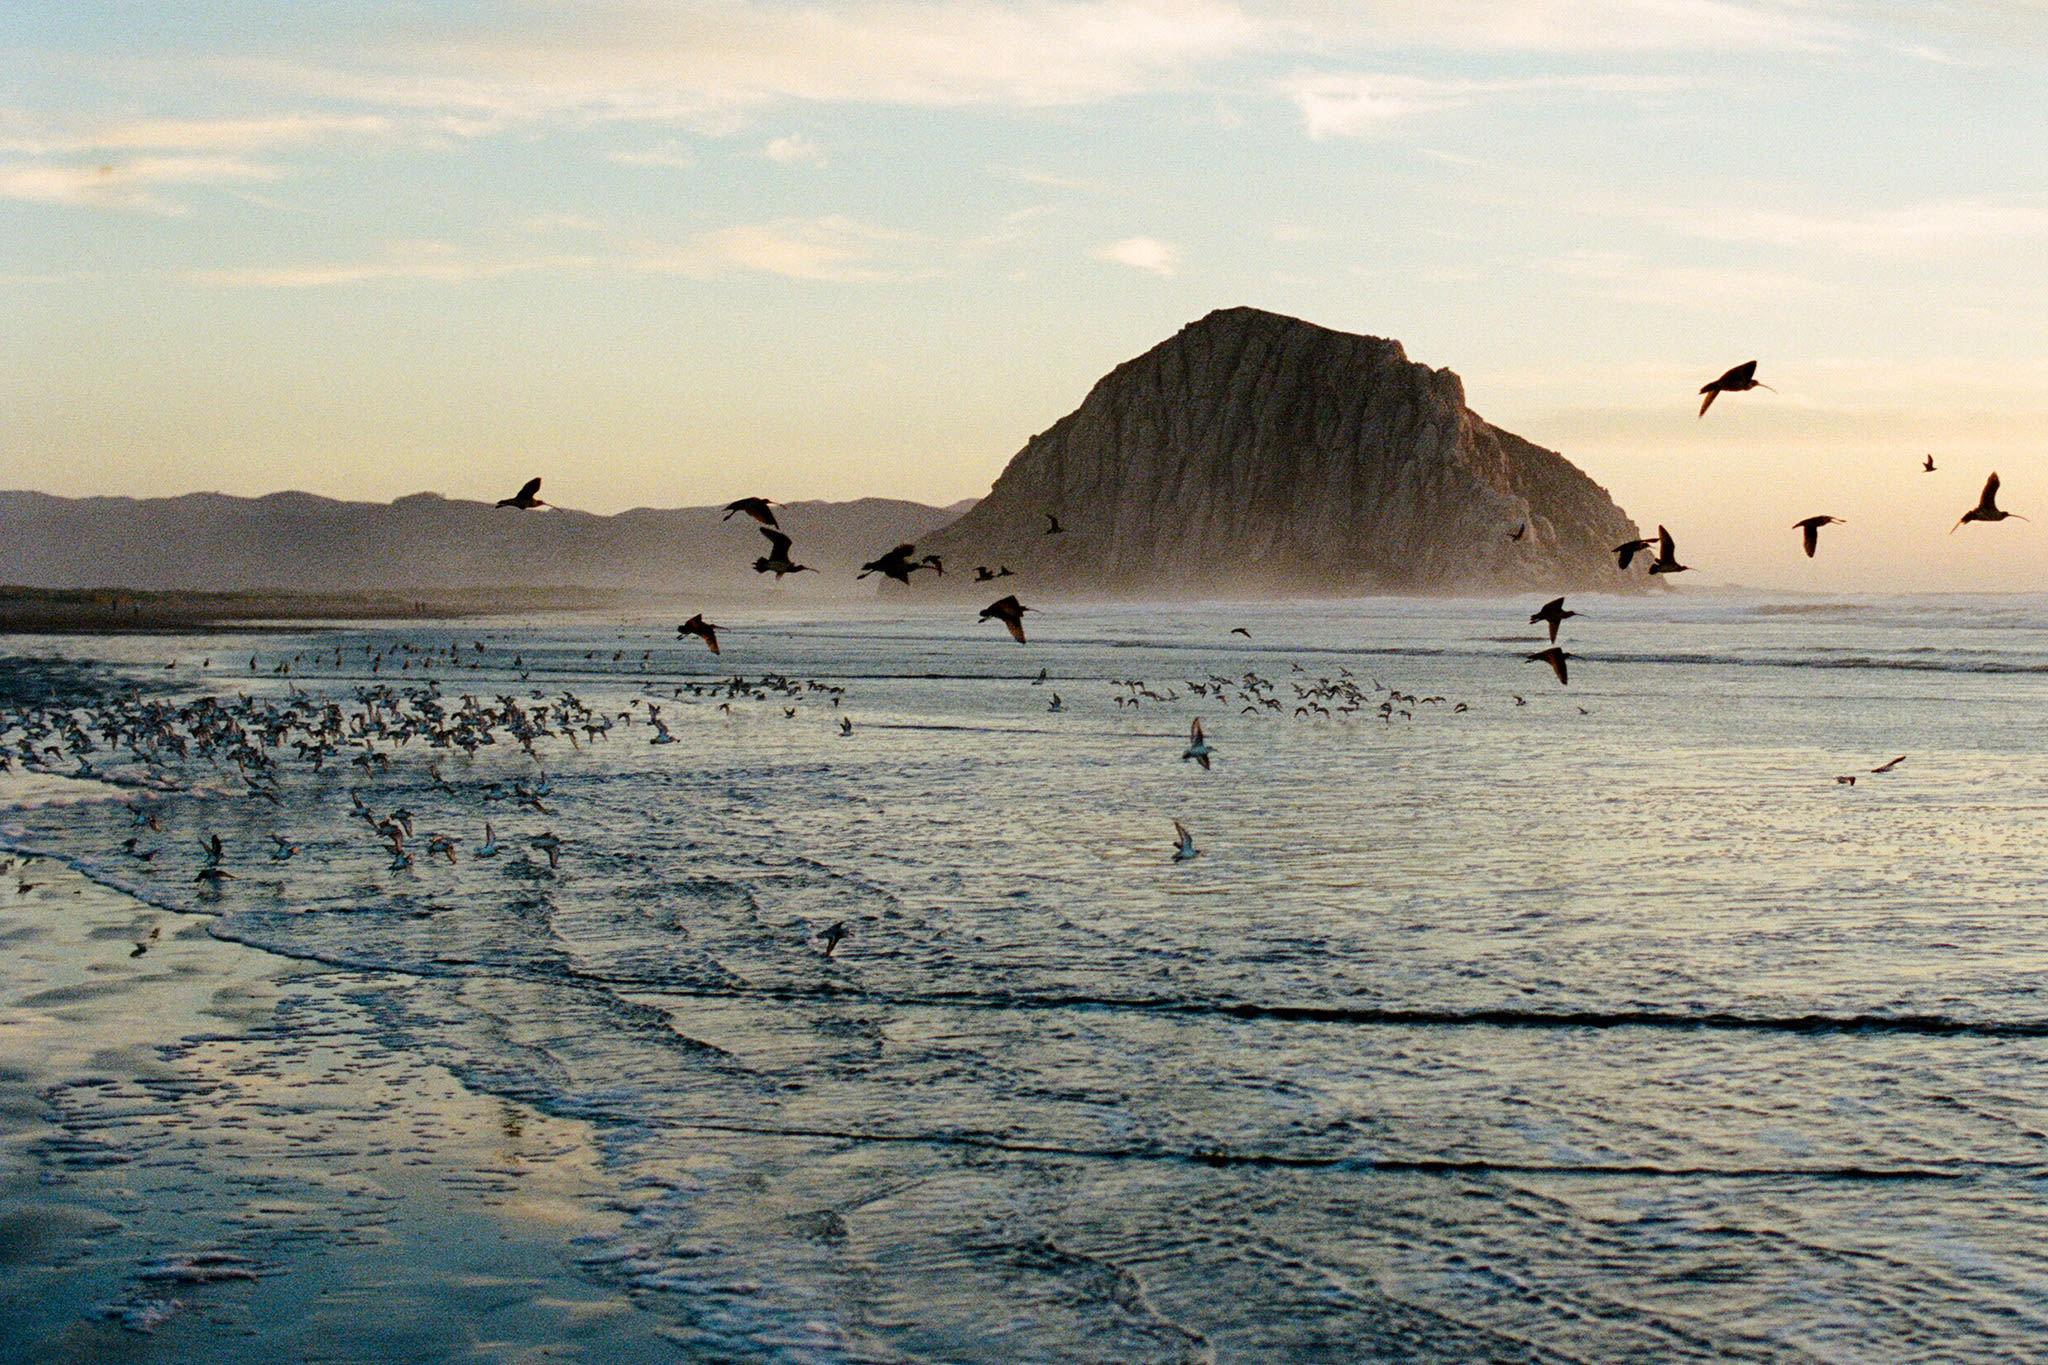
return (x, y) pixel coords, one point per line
(102, 611)
(213, 1154)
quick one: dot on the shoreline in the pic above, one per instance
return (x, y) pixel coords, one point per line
(126, 611)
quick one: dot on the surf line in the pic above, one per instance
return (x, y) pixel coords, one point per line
(1223, 1157)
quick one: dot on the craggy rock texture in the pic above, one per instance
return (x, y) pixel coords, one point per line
(1255, 453)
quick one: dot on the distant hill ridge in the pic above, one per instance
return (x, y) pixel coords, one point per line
(300, 542)
(1255, 453)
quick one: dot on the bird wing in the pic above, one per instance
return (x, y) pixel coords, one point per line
(1181, 832)
(1195, 731)
(778, 543)
(1811, 528)
(531, 488)
(1741, 377)
(1016, 625)
(1557, 663)
(1990, 499)
(1666, 549)
(1710, 391)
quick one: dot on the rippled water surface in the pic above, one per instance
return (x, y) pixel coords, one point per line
(1524, 1022)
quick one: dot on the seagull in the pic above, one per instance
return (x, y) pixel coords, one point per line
(526, 498)
(1010, 612)
(846, 725)
(697, 625)
(834, 936)
(489, 847)
(1185, 848)
(777, 560)
(1737, 380)
(1198, 748)
(1811, 526)
(1057, 704)
(1667, 556)
(896, 564)
(1240, 630)
(550, 844)
(1044, 674)
(1053, 527)
(1927, 467)
(1626, 552)
(1987, 507)
(1555, 657)
(1887, 767)
(1553, 611)
(757, 508)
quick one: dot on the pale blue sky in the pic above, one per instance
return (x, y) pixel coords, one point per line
(668, 253)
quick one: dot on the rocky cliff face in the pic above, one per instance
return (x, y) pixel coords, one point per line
(1258, 453)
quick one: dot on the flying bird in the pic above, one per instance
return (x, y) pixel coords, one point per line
(1811, 526)
(1927, 466)
(1987, 507)
(1198, 748)
(1667, 555)
(1519, 531)
(1737, 380)
(697, 625)
(1626, 552)
(526, 498)
(1184, 847)
(896, 564)
(1555, 657)
(777, 560)
(1240, 630)
(834, 937)
(1010, 612)
(757, 508)
(1887, 767)
(1553, 612)
(1053, 527)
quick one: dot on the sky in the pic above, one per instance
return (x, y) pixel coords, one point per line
(672, 252)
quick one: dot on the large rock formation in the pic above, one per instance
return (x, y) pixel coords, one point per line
(1255, 453)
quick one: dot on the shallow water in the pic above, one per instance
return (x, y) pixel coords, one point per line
(1595, 1022)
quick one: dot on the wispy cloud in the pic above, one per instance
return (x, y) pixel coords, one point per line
(1580, 26)
(794, 150)
(128, 186)
(828, 250)
(1352, 104)
(1631, 279)
(1141, 253)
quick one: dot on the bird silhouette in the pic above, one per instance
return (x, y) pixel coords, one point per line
(1555, 657)
(1519, 531)
(1240, 630)
(984, 574)
(777, 560)
(1667, 554)
(1811, 527)
(1887, 767)
(1053, 527)
(1625, 553)
(526, 498)
(1553, 612)
(1987, 507)
(1198, 747)
(1927, 466)
(896, 564)
(1741, 378)
(698, 626)
(757, 508)
(1184, 843)
(1010, 612)
(834, 937)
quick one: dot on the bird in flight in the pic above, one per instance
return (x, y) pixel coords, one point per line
(1240, 630)
(1887, 767)
(1555, 657)
(1010, 612)
(1737, 380)
(1198, 747)
(896, 564)
(1625, 553)
(1053, 527)
(1987, 507)
(984, 574)
(527, 498)
(1184, 846)
(1667, 554)
(834, 937)
(1553, 612)
(757, 508)
(777, 560)
(1927, 465)
(698, 626)
(1811, 526)
(1519, 531)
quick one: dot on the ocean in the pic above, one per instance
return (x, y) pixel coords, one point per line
(1495, 1020)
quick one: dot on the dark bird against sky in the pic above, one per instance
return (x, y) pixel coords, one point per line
(1737, 380)
(1811, 529)
(526, 498)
